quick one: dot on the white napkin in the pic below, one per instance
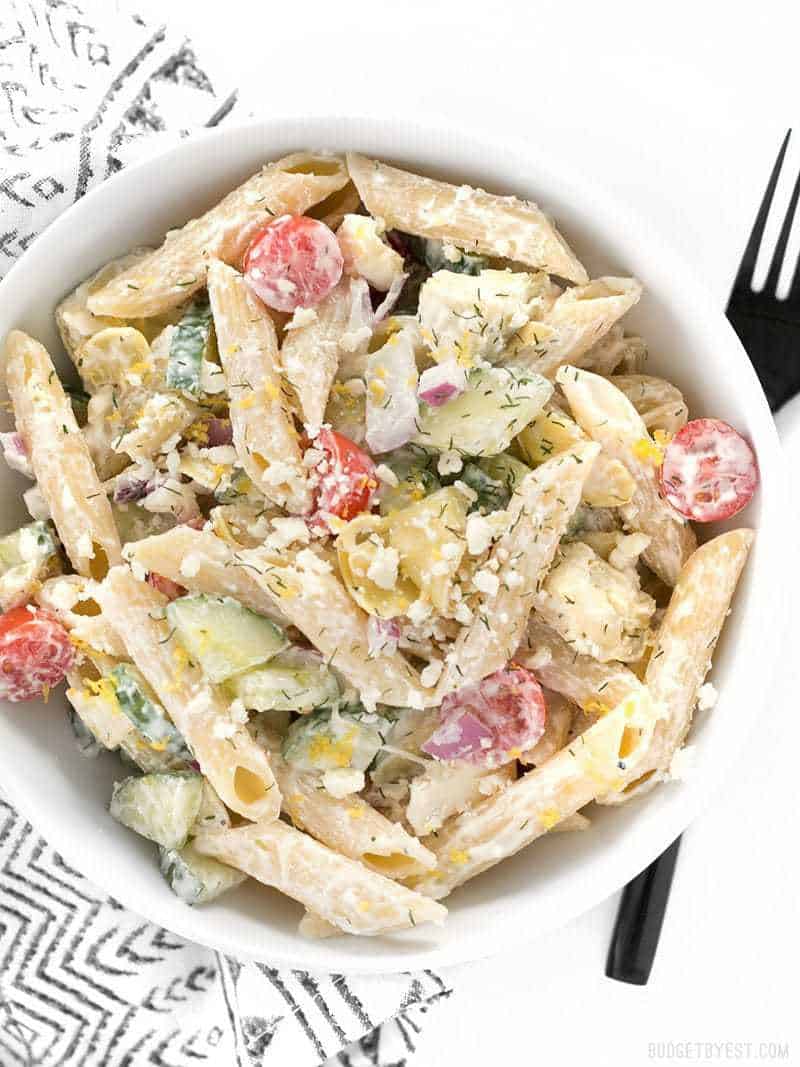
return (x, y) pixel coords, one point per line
(87, 88)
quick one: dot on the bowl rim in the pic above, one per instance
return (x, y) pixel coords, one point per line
(643, 847)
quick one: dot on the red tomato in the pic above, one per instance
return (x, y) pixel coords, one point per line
(292, 263)
(492, 722)
(709, 471)
(170, 589)
(35, 653)
(347, 477)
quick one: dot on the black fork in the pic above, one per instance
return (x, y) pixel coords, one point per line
(769, 329)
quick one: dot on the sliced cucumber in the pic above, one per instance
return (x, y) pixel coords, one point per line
(498, 403)
(146, 714)
(494, 479)
(329, 739)
(222, 635)
(295, 680)
(195, 878)
(189, 346)
(28, 544)
(414, 468)
(431, 252)
(87, 743)
(213, 815)
(134, 751)
(160, 807)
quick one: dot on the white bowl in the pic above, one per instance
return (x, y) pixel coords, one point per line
(66, 797)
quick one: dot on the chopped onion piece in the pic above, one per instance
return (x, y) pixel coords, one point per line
(442, 382)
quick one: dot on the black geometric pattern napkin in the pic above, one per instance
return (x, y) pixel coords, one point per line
(86, 88)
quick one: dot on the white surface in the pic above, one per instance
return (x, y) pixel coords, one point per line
(565, 874)
(693, 98)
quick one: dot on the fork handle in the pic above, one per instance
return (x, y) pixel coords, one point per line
(639, 920)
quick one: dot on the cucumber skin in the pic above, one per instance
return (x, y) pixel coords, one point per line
(183, 871)
(149, 719)
(279, 695)
(318, 725)
(125, 800)
(189, 346)
(186, 613)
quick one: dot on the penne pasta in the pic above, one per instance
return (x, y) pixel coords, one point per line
(537, 519)
(264, 435)
(659, 402)
(350, 826)
(468, 218)
(542, 798)
(592, 685)
(176, 270)
(335, 888)
(579, 319)
(203, 563)
(315, 601)
(606, 414)
(381, 598)
(234, 764)
(447, 789)
(682, 654)
(615, 352)
(60, 458)
(560, 714)
(310, 355)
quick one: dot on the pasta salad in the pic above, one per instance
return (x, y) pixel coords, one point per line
(366, 540)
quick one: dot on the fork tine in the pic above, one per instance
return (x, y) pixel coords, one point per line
(747, 266)
(771, 284)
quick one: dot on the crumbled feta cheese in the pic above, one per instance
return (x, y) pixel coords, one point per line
(288, 531)
(342, 781)
(174, 463)
(238, 712)
(430, 675)
(312, 563)
(301, 317)
(479, 534)
(466, 490)
(463, 614)
(137, 569)
(190, 564)
(84, 545)
(513, 579)
(171, 442)
(383, 568)
(212, 378)
(682, 763)
(386, 475)
(450, 462)
(707, 697)
(419, 611)
(451, 550)
(486, 582)
(313, 457)
(223, 730)
(278, 473)
(365, 254)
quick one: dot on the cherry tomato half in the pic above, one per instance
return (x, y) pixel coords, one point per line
(709, 471)
(347, 477)
(35, 653)
(492, 722)
(292, 263)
